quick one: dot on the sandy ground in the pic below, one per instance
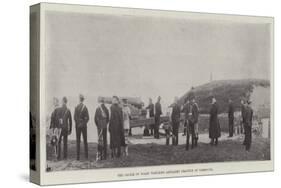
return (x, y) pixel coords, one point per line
(147, 151)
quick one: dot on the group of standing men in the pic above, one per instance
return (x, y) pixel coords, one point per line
(117, 121)
(61, 125)
(191, 115)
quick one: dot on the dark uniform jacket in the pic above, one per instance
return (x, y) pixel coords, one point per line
(116, 128)
(101, 116)
(194, 113)
(65, 120)
(214, 126)
(186, 110)
(150, 107)
(231, 111)
(55, 118)
(248, 116)
(81, 115)
(158, 110)
(175, 116)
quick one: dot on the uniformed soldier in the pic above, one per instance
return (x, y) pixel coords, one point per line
(158, 113)
(175, 116)
(81, 118)
(248, 125)
(214, 124)
(230, 117)
(193, 121)
(186, 110)
(243, 106)
(65, 121)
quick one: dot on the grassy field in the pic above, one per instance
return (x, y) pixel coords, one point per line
(155, 154)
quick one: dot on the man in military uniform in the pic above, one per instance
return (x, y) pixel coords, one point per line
(176, 121)
(230, 117)
(186, 131)
(193, 120)
(248, 125)
(158, 113)
(65, 121)
(81, 118)
(243, 107)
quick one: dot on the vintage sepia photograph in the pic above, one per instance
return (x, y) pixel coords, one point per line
(130, 91)
(125, 94)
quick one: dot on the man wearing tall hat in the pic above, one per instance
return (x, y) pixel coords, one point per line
(81, 118)
(158, 113)
(248, 125)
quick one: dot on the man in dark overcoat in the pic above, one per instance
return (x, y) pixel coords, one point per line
(214, 126)
(230, 117)
(175, 116)
(65, 121)
(248, 125)
(81, 118)
(116, 129)
(158, 113)
(101, 121)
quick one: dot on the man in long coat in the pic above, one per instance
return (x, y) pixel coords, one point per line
(81, 118)
(101, 121)
(230, 117)
(214, 126)
(116, 130)
(193, 122)
(248, 125)
(176, 121)
(65, 121)
(158, 113)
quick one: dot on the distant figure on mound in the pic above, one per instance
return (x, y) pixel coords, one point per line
(230, 117)
(116, 129)
(248, 125)
(193, 121)
(126, 125)
(150, 108)
(175, 116)
(214, 126)
(65, 121)
(101, 121)
(81, 118)
(158, 113)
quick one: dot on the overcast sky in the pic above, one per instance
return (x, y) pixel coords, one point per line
(146, 57)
